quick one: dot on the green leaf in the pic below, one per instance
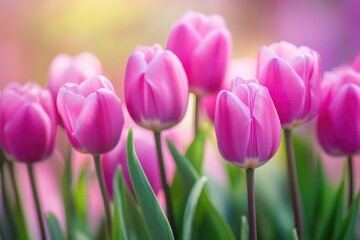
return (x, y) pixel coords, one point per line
(119, 228)
(331, 223)
(244, 228)
(54, 227)
(295, 235)
(195, 152)
(81, 200)
(189, 176)
(155, 218)
(191, 207)
(349, 224)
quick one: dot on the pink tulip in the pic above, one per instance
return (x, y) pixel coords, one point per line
(156, 88)
(245, 68)
(146, 151)
(246, 124)
(27, 122)
(292, 76)
(92, 115)
(67, 69)
(338, 125)
(356, 64)
(203, 44)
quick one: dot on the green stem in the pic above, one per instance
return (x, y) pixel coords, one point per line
(294, 186)
(169, 208)
(9, 220)
(19, 208)
(37, 201)
(100, 175)
(351, 180)
(196, 115)
(68, 195)
(250, 172)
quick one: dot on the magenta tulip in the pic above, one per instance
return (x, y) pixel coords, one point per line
(145, 150)
(203, 44)
(246, 124)
(338, 125)
(27, 122)
(292, 76)
(92, 115)
(67, 69)
(156, 88)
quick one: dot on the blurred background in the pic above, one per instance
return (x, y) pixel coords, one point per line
(32, 32)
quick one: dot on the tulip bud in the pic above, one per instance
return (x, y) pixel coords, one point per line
(246, 124)
(338, 125)
(292, 76)
(146, 152)
(66, 69)
(27, 122)
(156, 88)
(203, 45)
(92, 115)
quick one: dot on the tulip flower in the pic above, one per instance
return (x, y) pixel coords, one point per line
(292, 76)
(146, 152)
(338, 125)
(93, 120)
(203, 45)
(156, 93)
(246, 124)
(67, 69)
(27, 122)
(248, 131)
(27, 131)
(92, 115)
(156, 88)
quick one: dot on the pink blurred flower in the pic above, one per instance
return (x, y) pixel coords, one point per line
(245, 68)
(338, 125)
(203, 44)
(27, 122)
(246, 124)
(356, 64)
(156, 88)
(92, 115)
(292, 76)
(67, 69)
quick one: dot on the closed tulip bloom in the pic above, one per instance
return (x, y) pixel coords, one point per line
(67, 69)
(27, 122)
(156, 88)
(292, 76)
(145, 150)
(203, 44)
(338, 125)
(246, 124)
(92, 115)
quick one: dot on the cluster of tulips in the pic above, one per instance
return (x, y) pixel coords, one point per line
(287, 90)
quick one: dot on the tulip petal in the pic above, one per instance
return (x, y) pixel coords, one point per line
(232, 125)
(212, 54)
(28, 134)
(69, 105)
(267, 126)
(100, 122)
(286, 89)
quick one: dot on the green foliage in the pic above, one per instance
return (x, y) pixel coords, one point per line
(156, 221)
(54, 227)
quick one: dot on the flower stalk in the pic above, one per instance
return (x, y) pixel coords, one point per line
(250, 172)
(100, 176)
(37, 201)
(351, 180)
(294, 186)
(169, 207)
